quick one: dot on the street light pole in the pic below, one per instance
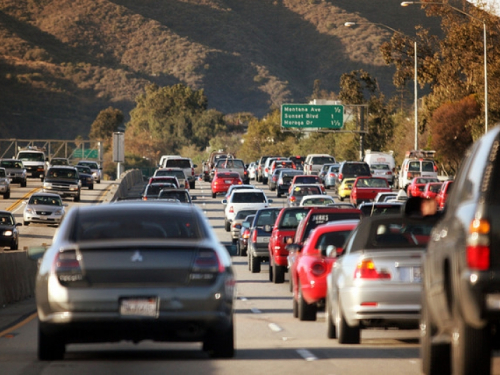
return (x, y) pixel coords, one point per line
(349, 24)
(406, 3)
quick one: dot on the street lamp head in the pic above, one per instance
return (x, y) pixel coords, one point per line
(349, 24)
(406, 3)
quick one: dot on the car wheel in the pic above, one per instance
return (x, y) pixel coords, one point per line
(264, 181)
(26, 223)
(98, 181)
(192, 185)
(255, 263)
(77, 198)
(14, 245)
(470, 349)
(214, 195)
(435, 357)
(307, 312)
(290, 284)
(227, 225)
(91, 187)
(295, 308)
(50, 347)
(278, 274)
(6, 195)
(271, 272)
(220, 344)
(23, 184)
(235, 241)
(346, 334)
(238, 248)
(243, 251)
(278, 194)
(331, 332)
(249, 256)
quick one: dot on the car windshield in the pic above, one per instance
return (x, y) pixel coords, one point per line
(170, 194)
(291, 219)
(244, 213)
(380, 166)
(317, 201)
(322, 160)
(179, 174)
(45, 200)
(2, 172)
(141, 224)
(154, 190)
(6, 219)
(428, 166)
(371, 183)
(83, 169)
(61, 173)
(400, 235)
(11, 164)
(30, 156)
(435, 187)
(89, 164)
(266, 217)
(306, 180)
(306, 190)
(59, 162)
(178, 163)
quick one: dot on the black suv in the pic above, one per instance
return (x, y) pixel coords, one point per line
(460, 317)
(351, 169)
(63, 180)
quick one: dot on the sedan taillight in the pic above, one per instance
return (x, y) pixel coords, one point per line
(206, 265)
(366, 270)
(318, 268)
(246, 233)
(67, 266)
(254, 235)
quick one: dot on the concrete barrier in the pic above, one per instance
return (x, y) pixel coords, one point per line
(18, 273)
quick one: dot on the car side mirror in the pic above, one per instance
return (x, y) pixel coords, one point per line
(224, 201)
(195, 166)
(269, 201)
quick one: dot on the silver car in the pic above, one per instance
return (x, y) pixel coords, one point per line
(135, 271)
(377, 280)
(44, 208)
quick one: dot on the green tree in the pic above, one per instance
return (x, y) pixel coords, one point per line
(106, 122)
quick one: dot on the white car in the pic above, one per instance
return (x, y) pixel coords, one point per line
(244, 199)
(252, 168)
(44, 208)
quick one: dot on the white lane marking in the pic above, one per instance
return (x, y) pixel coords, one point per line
(307, 355)
(255, 310)
(274, 327)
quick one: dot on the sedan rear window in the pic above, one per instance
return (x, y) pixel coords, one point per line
(249, 198)
(137, 225)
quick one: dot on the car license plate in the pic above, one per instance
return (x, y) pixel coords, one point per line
(147, 307)
(228, 181)
(262, 239)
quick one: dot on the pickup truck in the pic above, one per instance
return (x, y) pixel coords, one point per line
(365, 189)
(209, 164)
(233, 165)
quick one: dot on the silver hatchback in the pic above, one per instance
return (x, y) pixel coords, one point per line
(135, 271)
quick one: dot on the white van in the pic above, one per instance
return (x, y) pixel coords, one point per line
(373, 157)
(417, 163)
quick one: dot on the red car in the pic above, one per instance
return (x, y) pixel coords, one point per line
(365, 189)
(417, 186)
(222, 181)
(431, 189)
(443, 194)
(283, 232)
(312, 265)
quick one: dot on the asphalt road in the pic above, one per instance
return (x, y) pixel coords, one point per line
(268, 339)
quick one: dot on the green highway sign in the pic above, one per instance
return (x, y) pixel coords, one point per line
(299, 116)
(91, 153)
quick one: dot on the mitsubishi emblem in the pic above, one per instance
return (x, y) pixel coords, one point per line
(137, 257)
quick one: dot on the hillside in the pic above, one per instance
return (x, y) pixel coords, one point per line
(62, 61)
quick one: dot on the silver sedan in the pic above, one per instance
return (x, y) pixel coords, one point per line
(44, 208)
(377, 280)
(135, 271)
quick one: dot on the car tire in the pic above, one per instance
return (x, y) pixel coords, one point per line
(290, 284)
(346, 334)
(238, 248)
(278, 194)
(235, 241)
(220, 344)
(6, 195)
(227, 225)
(77, 198)
(331, 332)
(435, 357)
(271, 272)
(192, 184)
(278, 274)
(98, 181)
(14, 245)
(295, 308)
(264, 180)
(50, 347)
(23, 183)
(26, 223)
(91, 187)
(470, 349)
(254, 263)
(307, 312)
(214, 195)
(341, 198)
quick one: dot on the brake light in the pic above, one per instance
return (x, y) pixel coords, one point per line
(266, 170)
(205, 266)
(275, 178)
(331, 174)
(341, 176)
(410, 175)
(366, 270)
(293, 199)
(254, 235)
(318, 269)
(389, 173)
(231, 210)
(192, 171)
(246, 233)
(478, 245)
(144, 198)
(67, 266)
